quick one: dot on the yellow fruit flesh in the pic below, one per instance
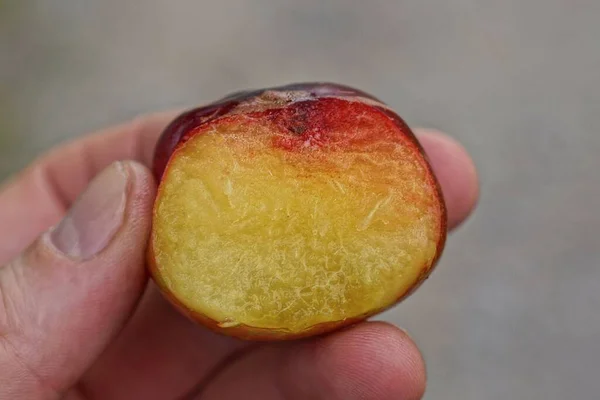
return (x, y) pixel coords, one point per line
(248, 234)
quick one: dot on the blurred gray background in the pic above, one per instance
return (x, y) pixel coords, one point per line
(513, 312)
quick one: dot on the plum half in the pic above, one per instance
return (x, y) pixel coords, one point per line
(292, 211)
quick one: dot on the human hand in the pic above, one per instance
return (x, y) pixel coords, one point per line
(79, 319)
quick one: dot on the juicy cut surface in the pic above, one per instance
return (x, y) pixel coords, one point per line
(286, 219)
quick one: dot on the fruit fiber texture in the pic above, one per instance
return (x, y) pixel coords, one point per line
(292, 211)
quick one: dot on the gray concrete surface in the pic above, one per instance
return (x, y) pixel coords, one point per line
(513, 312)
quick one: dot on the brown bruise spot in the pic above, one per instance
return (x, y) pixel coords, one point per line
(334, 123)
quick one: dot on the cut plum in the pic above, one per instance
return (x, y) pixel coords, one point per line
(293, 214)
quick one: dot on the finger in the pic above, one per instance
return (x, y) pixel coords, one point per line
(159, 355)
(369, 361)
(38, 197)
(455, 171)
(71, 291)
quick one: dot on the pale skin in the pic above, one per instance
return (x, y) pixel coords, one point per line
(96, 327)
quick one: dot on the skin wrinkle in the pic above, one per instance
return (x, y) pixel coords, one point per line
(11, 327)
(89, 162)
(52, 189)
(53, 178)
(198, 391)
(286, 364)
(10, 279)
(45, 387)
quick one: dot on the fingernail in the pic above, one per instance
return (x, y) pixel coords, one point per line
(95, 217)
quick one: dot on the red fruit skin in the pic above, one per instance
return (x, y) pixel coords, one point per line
(193, 119)
(301, 124)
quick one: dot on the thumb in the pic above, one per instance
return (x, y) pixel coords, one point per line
(69, 293)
